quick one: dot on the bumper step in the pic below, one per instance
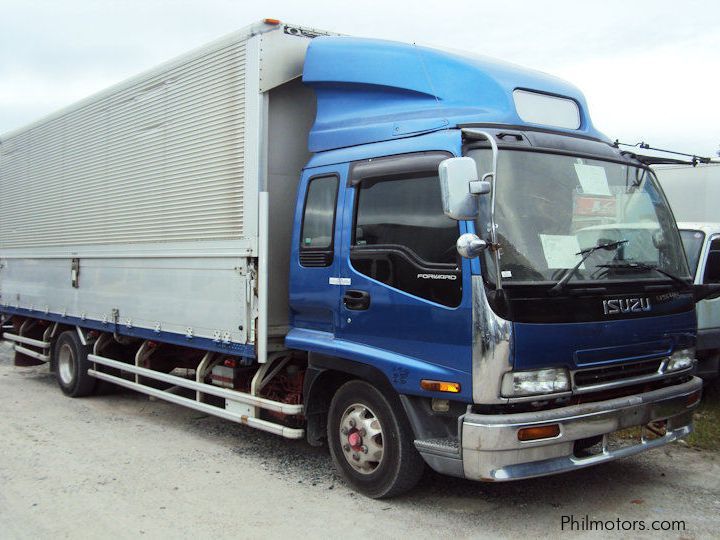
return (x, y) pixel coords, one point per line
(449, 446)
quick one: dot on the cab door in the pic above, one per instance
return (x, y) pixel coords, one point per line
(316, 242)
(405, 292)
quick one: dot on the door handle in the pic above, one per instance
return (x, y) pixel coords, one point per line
(356, 300)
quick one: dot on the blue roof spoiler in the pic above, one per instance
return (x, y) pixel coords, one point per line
(371, 90)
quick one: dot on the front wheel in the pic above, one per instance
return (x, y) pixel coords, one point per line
(371, 444)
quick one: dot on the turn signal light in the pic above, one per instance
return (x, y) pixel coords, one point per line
(274, 22)
(541, 432)
(440, 386)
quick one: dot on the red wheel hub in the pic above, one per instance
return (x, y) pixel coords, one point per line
(355, 440)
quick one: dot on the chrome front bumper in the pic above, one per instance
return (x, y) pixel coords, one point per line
(492, 452)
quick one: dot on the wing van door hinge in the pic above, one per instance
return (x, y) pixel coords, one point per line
(75, 273)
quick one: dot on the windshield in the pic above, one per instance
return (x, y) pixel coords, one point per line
(692, 241)
(550, 207)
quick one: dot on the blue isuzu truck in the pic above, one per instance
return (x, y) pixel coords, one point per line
(416, 257)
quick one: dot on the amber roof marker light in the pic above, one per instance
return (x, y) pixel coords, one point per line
(273, 22)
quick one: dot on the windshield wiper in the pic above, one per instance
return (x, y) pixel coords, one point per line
(642, 267)
(567, 276)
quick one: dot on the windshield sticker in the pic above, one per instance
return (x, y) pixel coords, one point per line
(592, 179)
(560, 250)
(506, 273)
(595, 206)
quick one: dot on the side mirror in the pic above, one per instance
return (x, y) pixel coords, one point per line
(482, 187)
(460, 186)
(470, 246)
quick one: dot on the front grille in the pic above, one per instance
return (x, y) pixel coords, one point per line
(609, 374)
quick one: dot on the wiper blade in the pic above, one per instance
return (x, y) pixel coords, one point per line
(567, 276)
(643, 267)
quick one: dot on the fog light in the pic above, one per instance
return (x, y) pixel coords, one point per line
(540, 432)
(440, 405)
(682, 359)
(531, 383)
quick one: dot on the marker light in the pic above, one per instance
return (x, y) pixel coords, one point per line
(440, 386)
(274, 22)
(540, 432)
(531, 383)
(693, 398)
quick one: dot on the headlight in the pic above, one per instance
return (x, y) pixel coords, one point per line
(681, 359)
(531, 383)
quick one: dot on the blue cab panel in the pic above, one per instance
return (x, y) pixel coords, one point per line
(372, 90)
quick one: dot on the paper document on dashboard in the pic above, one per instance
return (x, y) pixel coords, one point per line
(560, 250)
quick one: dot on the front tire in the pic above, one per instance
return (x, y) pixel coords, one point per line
(71, 365)
(370, 443)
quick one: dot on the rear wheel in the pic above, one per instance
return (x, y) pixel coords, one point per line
(71, 365)
(371, 444)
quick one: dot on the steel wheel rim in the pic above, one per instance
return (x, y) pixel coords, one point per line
(361, 438)
(66, 364)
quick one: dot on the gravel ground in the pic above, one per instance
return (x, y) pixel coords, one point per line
(125, 466)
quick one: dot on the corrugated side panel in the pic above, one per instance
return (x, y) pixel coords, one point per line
(157, 161)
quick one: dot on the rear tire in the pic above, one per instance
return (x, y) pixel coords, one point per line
(371, 442)
(71, 365)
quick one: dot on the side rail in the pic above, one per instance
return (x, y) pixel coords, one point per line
(228, 403)
(5, 325)
(38, 349)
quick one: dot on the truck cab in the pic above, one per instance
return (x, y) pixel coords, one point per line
(702, 246)
(443, 250)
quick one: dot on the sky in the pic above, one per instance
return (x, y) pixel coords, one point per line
(649, 69)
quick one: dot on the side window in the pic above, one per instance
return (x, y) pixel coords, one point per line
(712, 267)
(316, 237)
(403, 238)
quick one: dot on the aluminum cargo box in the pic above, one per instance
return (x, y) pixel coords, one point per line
(137, 209)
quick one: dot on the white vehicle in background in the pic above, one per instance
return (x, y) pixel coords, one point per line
(702, 246)
(694, 193)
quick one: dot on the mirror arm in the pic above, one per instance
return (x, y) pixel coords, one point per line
(493, 232)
